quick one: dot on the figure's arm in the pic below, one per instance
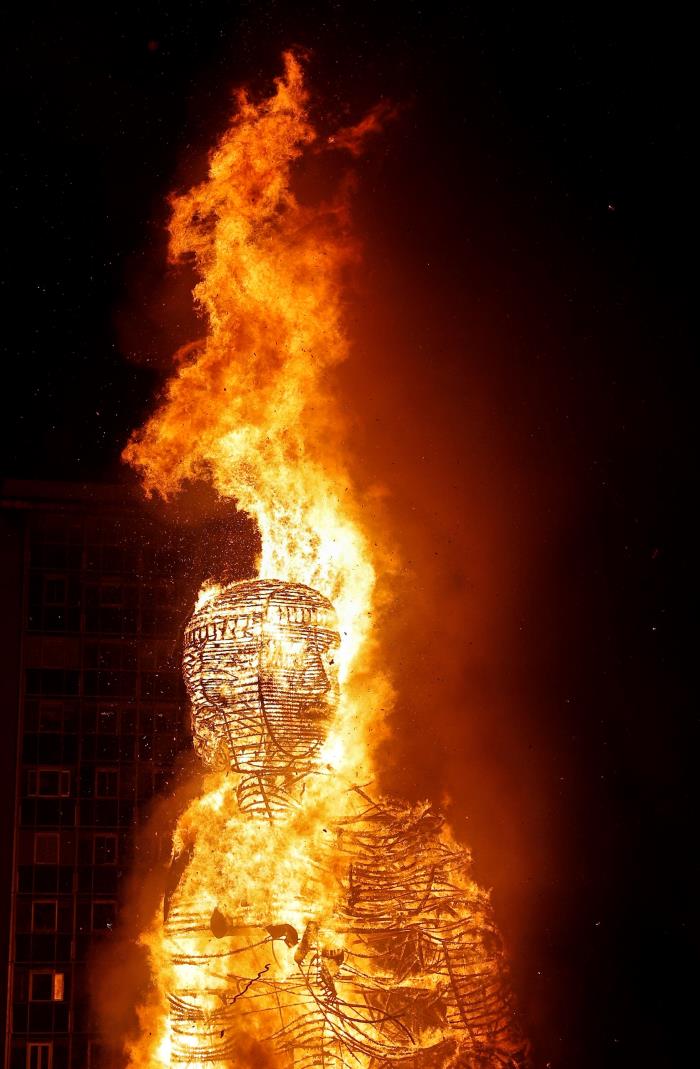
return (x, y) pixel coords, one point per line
(479, 1006)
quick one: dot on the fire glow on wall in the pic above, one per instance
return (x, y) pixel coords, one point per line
(307, 922)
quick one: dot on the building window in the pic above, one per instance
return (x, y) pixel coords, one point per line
(53, 682)
(106, 783)
(48, 782)
(55, 590)
(103, 916)
(96, 1055)
(50, 716)
(111, 594)
(39, 1055)
(105, 850)
(108, 721)
(46, 848)
(45, 985)
(45, 915)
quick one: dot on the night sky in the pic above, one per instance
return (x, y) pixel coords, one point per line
(521, 382)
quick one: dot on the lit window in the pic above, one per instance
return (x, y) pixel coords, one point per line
(103, 916)
(39, 1055)
(45, 985)
(46, 848)
(105, 850)
(48, 782)
(106, 783)
(44, 916)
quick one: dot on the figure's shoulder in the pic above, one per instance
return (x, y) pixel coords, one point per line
(389, 823)
(405, 849)
(365, 803)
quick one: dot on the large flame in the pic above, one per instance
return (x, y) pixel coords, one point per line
(248, 407)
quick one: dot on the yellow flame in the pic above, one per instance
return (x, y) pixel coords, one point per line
(248, 408)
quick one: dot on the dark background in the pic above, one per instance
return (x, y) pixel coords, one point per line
(521, 382)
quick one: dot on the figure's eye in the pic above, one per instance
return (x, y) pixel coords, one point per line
(286, 653)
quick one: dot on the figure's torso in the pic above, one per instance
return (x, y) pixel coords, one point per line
(331, 946)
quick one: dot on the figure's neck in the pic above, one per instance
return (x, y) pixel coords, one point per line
(271, 795)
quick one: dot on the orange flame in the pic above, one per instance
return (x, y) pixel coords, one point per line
(248, 407)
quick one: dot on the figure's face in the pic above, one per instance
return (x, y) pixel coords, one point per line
(262, 676)
(298, 682)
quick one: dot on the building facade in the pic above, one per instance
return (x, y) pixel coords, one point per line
(96, 590)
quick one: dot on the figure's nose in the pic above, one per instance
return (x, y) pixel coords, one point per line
(315, 673)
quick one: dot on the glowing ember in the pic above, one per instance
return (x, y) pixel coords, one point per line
(306, 923)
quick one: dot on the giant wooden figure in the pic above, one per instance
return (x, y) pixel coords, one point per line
(306, 922)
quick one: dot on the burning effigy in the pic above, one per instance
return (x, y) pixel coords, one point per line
(307, 921)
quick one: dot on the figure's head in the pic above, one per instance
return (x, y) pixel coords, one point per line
(259, 665)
